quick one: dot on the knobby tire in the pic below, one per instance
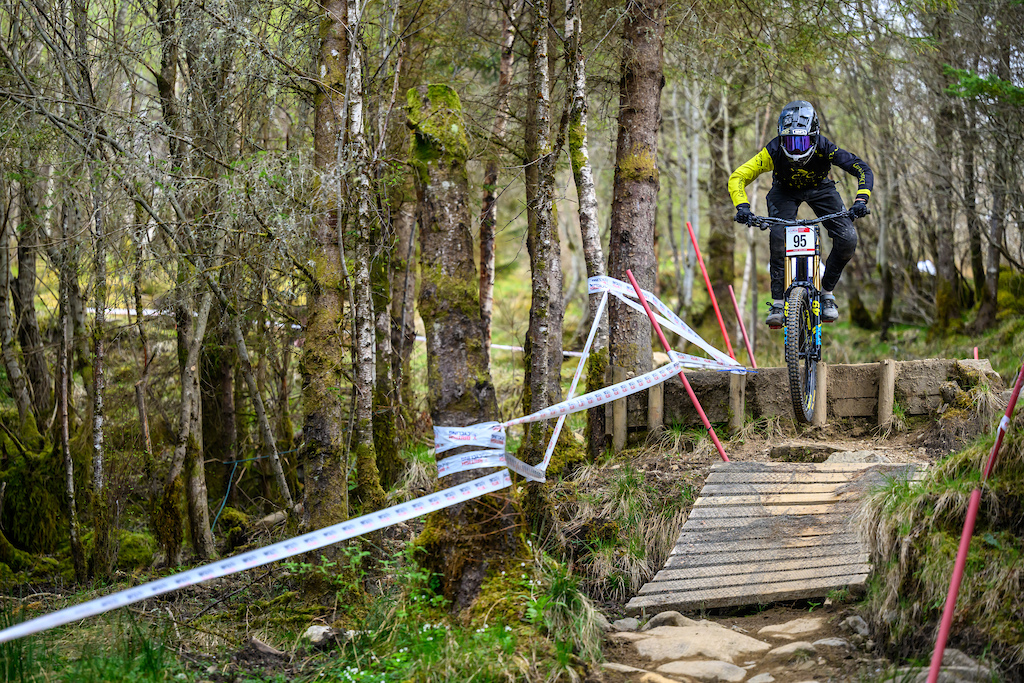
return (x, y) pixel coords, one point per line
(800, 354)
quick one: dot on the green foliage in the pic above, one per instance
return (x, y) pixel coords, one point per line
(914, 530)
(968, 84)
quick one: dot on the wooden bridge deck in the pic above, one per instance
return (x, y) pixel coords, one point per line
(764, 532)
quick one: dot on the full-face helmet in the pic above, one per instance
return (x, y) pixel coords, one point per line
(798, 130)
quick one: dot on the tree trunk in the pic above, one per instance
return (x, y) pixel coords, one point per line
(368, 492)
(635, 193)
(403, 288)
(947, 300)
(324, 460)
(720, 259)
(695, 116)
(466, 540)
(488, 212)
(19, 385)
(78, 560)
(590, 230)
(23, 292)
(543, 355)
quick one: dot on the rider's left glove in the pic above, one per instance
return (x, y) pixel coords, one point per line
(860, 208)
(743, 214)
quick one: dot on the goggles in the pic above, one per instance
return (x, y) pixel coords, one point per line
(797, 144)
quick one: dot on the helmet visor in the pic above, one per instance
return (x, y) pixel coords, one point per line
(796, 144)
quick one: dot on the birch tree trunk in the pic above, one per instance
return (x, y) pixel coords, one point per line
(368, 491)
(590, 230)
(634, 203)
(488, 212)
(459, 391)
(695, 116)
(543, 356)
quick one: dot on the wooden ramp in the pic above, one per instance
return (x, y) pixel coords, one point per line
(764, 532)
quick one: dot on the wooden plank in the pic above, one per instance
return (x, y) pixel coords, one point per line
(751, 466)
(753, 579)
(827, 520)
(802, 477)
(780, 537)
(770, 565)
(759, 553)
(779, 498)
(743, 595)
(706, 511)
(713, 489)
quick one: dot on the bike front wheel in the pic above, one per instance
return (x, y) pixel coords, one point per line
(801, 353)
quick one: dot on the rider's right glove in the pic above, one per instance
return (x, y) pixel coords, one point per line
(860, 208)
(743, 214)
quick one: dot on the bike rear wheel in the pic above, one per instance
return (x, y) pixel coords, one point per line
(801, 353)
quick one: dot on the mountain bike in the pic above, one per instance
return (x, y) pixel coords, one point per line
(802, 329)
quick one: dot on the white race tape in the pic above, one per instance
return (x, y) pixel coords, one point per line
(470, 461)
(521, 468)
(485, 435)
(278, 551)
(543, 466)
(667, 318)
(1004, 424)
(602, 396)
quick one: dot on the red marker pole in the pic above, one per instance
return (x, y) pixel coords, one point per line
(711, 292)
(682, 375)
(743, 328)
(965, 538)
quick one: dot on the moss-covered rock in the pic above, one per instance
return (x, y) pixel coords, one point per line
(136, 550)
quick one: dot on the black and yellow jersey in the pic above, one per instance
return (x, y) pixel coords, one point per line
(788, 176)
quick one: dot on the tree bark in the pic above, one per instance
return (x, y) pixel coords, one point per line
(720, 258)
(590, 229)
(466, 540)
(324, 458)
(368, 491)
(12, 365)
(635, 193)
(488, 212)
(543, 355)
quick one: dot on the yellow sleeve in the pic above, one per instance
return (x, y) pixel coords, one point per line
(746, 173)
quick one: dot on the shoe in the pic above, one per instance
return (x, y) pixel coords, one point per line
(776, 317)
(829, 310)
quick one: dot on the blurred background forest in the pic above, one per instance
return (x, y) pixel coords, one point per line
(210, 216)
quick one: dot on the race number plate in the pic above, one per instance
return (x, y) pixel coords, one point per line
(799, 240)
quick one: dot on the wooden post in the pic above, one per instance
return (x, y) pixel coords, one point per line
(656, 408)
(886, 391)
(737, 402)
(619, 425)
(821, 397)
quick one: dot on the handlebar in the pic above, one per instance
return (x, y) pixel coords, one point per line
(764, 222)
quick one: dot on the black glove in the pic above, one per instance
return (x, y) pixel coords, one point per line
(860, 208)
(743, 214)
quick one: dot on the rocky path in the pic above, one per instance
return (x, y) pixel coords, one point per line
(778, 645)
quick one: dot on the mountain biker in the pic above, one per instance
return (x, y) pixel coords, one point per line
(800, 159)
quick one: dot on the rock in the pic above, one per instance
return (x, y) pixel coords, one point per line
(762, 678)
(805, 452)
(857, 625)
(628, 624)
(792, 651)
(705, 639)
(669, 618)
(602, 622)
(622, 668)
(318, 634)
(832, 642)
(658, 678)
(796, 627)
(260, 646)
(705, 670)
(955, 658)
(273, 519)
(857, 456)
